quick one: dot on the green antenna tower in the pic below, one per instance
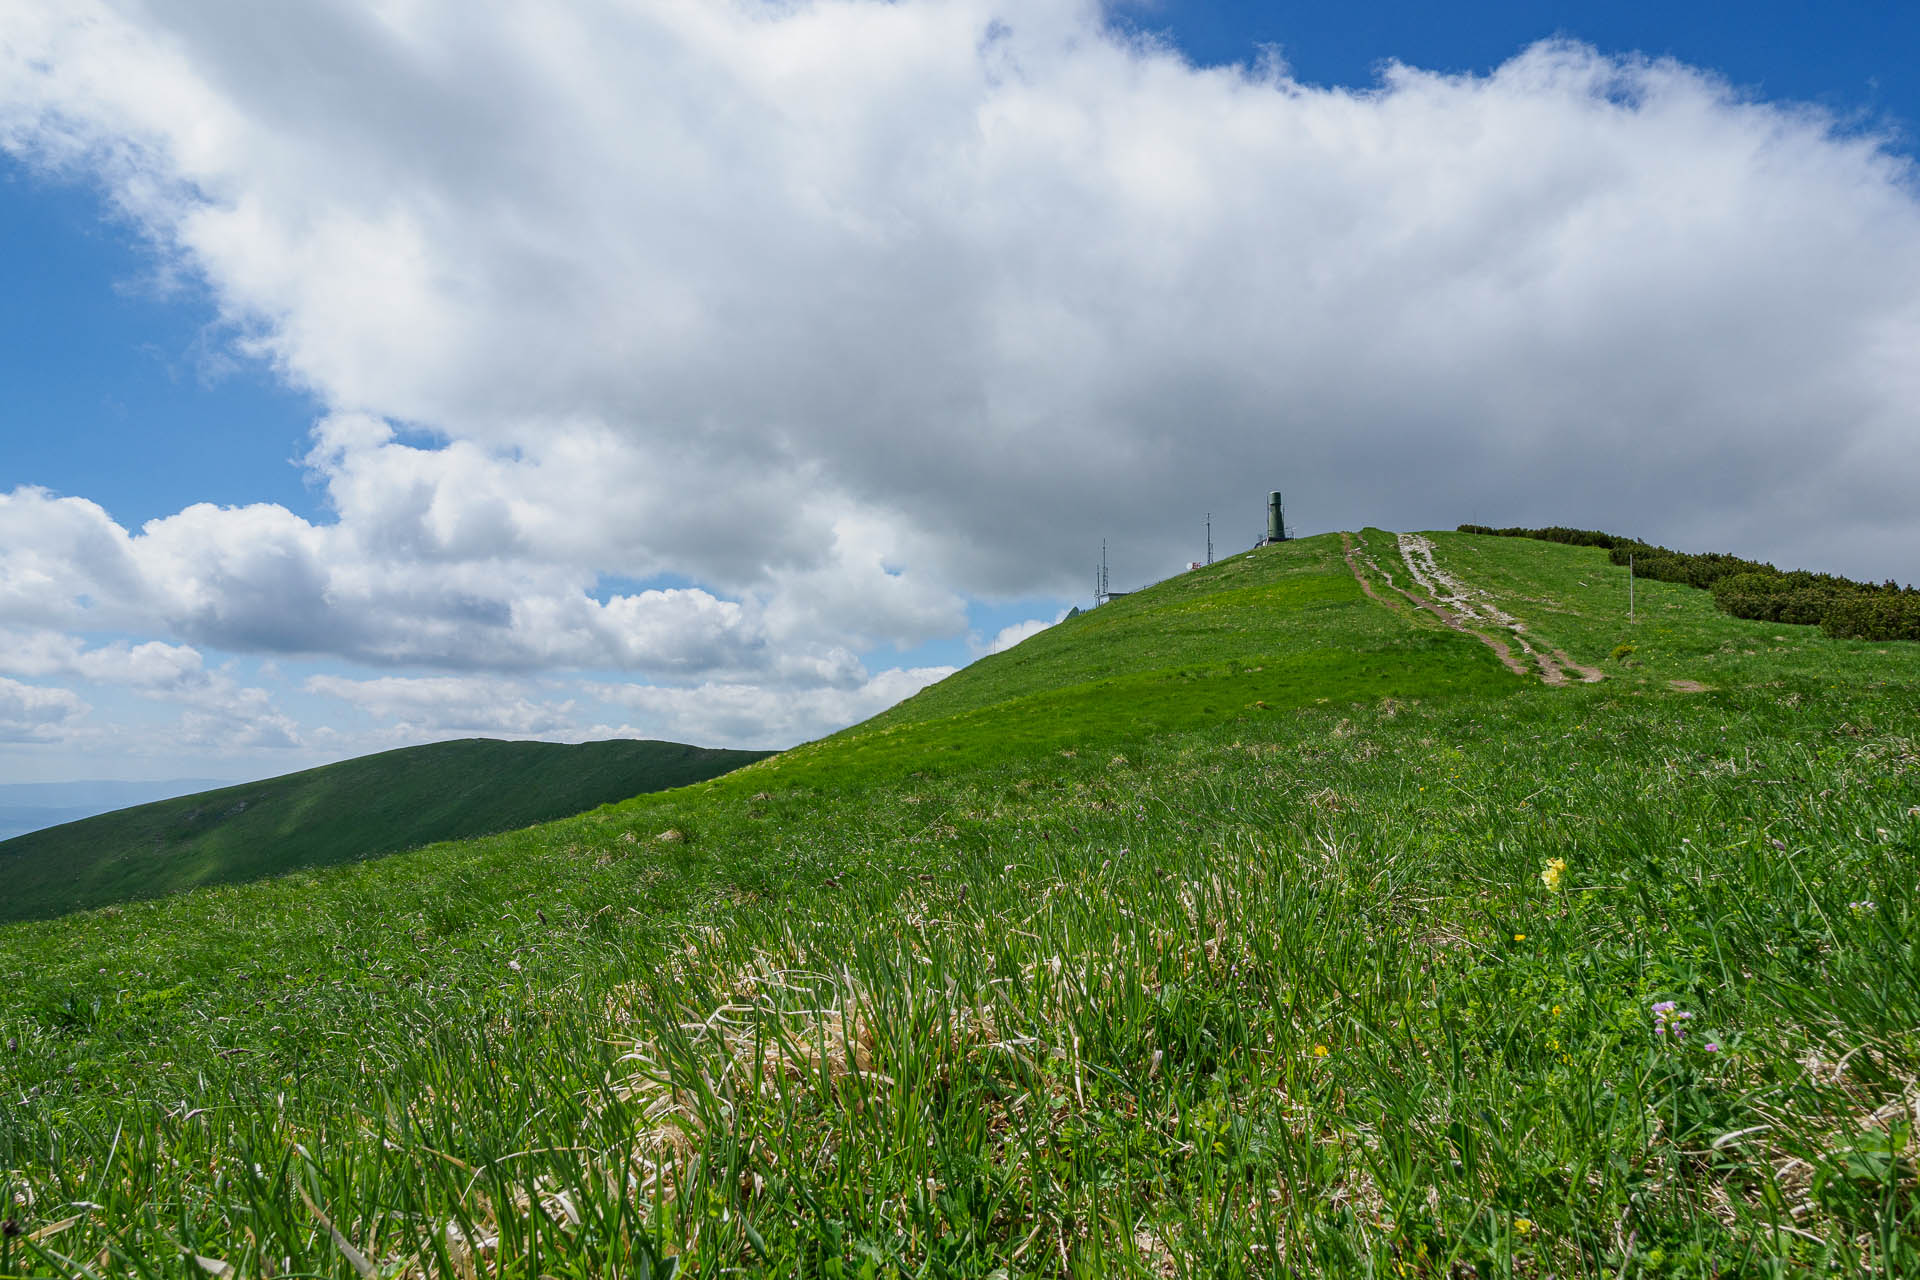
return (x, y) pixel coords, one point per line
(1276, 520)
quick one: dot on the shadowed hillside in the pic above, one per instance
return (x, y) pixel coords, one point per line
(355, 809)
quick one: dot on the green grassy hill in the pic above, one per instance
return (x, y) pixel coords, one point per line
(1259, 923)
(1250, 635)
(354, 809)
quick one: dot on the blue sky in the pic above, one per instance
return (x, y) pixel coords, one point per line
(156, 357)
(1848, 57)
(155, 410)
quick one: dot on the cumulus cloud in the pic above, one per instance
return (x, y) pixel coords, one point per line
(262, 580)
(233, 719)
(31, 713)
(443, 704)
(1009, 636)
(151, 666)
(747, 715)
(995, 277)
(217, 711)
(841, 312)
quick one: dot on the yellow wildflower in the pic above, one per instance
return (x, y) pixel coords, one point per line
(1551, 873)
(1319, 1051)
(1523, 1226)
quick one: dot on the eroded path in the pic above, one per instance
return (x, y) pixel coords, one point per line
(1358, 556)
(1466, 609)
(1449, 593)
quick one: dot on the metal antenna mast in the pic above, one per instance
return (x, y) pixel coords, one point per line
(1209, 537)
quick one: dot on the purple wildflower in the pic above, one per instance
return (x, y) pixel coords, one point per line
(1668, 1016)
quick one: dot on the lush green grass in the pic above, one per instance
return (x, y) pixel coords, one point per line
(1210, 623)
(1260, 633)
(355, 809)
(1273, 991)
(1576, 599)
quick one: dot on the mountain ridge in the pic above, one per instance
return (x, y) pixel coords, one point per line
(367, 806)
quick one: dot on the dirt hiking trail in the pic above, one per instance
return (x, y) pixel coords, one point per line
(1357, 555)
(1465, 609)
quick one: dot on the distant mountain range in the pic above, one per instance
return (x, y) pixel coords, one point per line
(337, 813)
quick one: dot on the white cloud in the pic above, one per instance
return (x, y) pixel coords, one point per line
(232, 719)
(31, 713)
(151, 666)
(261, 580)
(432, 705)
(216, 709)
(423, 571)
(1009, 636)
(746, 715)
(838, 313)
(64, 562)
(987, 278)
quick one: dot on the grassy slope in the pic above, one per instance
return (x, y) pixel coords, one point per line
(1253, 634)
(1278, 989)
(355, 809)
(1580, 602)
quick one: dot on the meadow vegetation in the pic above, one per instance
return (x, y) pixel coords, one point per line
(1241, 927)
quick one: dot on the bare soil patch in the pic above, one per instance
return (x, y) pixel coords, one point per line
(1588, 675)
(1356, 556)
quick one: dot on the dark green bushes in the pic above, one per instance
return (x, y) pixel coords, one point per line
(1888, 614)
(1572, 537)
(1839, 606)
(1802, 598)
